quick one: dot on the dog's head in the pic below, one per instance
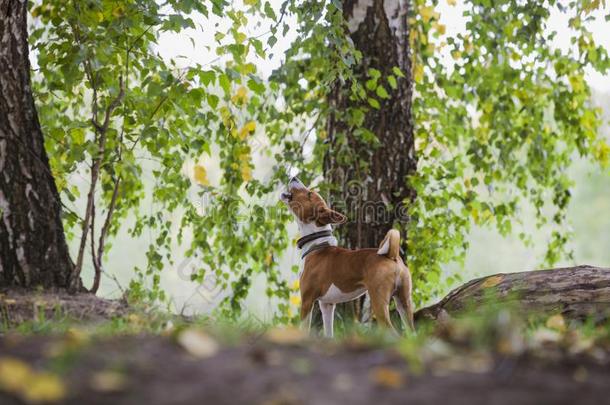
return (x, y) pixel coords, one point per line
(308, 207)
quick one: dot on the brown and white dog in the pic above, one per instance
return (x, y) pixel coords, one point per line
(331, 274)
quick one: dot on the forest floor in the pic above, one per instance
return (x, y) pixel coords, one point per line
(115, 355)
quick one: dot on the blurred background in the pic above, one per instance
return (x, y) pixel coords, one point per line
(489, 252)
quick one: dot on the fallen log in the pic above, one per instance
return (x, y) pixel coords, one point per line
(576, 292)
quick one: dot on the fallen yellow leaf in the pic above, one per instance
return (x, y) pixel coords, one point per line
(556, 322)
(108, 381)
(44, 387)
(387, 377)
(14, 374)
(198, 343)
(76, 337)
(286, 336)
(543, 336)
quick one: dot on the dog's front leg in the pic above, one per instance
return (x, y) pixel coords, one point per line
(328, 314)
(306, 307)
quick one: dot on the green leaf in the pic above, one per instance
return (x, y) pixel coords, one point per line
(397, 71)
(207, 77)
(374, 73)
(256, 86)
(213, 100)
(225, 83)
(269, 12)
(381, 92)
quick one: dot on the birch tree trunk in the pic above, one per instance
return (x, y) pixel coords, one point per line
(33, 249)
(371, 182)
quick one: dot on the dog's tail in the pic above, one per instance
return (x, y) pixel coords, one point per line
(390, 245)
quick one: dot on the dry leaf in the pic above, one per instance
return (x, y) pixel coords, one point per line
(76, 337)
(17, 377)
(286, 336)
(581, 344)
(44, 387)
(198, 343)
(387, 377)
(556, 322)
(108, 381)
(14, 374)
(543, 335)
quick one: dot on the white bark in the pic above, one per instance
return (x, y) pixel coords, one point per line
(396, 13)
(358, 14)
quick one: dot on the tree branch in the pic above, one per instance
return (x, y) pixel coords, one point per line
(97, 259)
(95, 171)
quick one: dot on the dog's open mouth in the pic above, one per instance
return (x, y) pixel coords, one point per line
(286, 196)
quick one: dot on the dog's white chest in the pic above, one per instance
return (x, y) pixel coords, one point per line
(335, 296)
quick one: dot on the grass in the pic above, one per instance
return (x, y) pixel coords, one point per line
(489, 329)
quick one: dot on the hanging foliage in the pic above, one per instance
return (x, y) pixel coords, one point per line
(498, 113)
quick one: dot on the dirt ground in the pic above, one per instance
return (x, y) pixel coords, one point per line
(186, 365)
(17, 306)
(157, 370)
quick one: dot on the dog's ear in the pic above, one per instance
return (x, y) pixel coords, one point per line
(328, 216)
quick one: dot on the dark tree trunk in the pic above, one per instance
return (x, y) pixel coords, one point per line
(369, 184)
(576, 292)
(33, 249)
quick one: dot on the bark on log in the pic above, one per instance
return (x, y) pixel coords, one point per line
(576, 292)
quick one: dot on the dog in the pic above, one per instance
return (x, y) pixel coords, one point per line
(332, 275)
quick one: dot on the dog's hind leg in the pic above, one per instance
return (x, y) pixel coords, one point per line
(404, 303)
(328, 314)
(405, 316)
(380, 301)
